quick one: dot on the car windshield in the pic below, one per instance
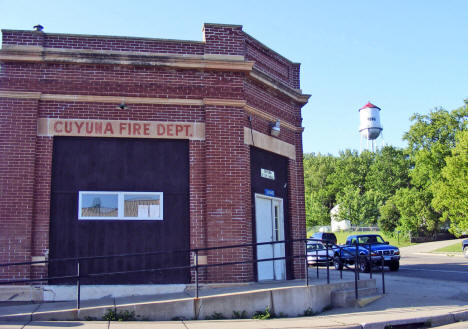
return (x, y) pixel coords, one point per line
(315, 246)
(372, 239)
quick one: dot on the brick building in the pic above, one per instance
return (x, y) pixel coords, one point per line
(185, 131)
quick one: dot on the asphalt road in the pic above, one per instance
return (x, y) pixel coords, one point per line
(418, 262)
(447, 268)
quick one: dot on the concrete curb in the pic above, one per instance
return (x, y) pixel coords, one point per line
(435, 321)
(290, 301)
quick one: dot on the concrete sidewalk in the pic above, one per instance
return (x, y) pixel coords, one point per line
(407, 301)
(434, 316)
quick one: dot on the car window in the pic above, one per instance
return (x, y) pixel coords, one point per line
(371, 239)
(315, 246)
(366, 239)
(379, 239)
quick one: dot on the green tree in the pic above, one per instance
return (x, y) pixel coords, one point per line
(389, 218)
(319, 197)
(431, 139)
(388, 172)
(351, 170)
(451, 191)
(360, 209)
(416, 214)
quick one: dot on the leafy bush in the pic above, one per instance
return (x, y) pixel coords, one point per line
(113, 315)
(264, 315)
(215, 316)
(239, 315)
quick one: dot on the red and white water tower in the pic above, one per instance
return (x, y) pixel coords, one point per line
(369, 125)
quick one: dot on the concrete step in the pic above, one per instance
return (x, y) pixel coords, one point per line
(347, 298)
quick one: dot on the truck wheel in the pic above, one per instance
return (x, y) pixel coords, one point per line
(364, 266)
(394, 265)
(338, 264)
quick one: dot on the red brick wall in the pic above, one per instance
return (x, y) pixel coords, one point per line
(219, 39)
(23, 38)
(198, 223)
(220, 198)
(228, 214)
(223, 39)
(297, 206)
(122, 81)
(18, 122)
(64, 41)
(41, 214)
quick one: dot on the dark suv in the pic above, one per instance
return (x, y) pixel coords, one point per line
(465, 247)
(325, 237)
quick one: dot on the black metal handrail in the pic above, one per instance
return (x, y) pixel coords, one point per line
(78, 260)
(358, 259)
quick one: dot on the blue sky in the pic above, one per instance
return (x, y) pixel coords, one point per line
(405, 56)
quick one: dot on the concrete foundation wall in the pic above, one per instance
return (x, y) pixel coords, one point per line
(290, 301)
(53, 293)
(286, 301)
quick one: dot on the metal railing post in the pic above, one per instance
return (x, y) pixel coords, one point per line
(356, 273)
(383, 275)
(306, 264)
(316, 262)
(341, 273)
(78, 285)
(195, 265)
(341, 267)
(370, 261)
(196, 273)
(328, 264)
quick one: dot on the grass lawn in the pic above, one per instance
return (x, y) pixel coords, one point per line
(456, 247)
(342, 235)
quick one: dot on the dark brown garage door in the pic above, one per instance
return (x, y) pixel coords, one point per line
(131, 165)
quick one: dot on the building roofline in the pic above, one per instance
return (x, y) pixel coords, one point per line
(223, 25)
(100, 36)
(269, 49)
(89, 36)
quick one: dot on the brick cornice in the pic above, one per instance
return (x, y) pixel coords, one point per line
(237, 63)
(272, 118)
(101, 99)
(269, 143)
(224, 102)
(20, 94)
(238, 103)
(295, 94)
(74, 56)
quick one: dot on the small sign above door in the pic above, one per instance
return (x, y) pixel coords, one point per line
(269, 192)
(265, 173)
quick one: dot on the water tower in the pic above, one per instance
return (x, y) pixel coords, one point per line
(369, 124)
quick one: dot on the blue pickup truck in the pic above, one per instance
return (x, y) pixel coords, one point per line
(346, 255)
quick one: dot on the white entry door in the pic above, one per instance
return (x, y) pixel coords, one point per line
(270, 227)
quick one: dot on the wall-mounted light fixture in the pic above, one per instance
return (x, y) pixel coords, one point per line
(275, 128)
(123, 106)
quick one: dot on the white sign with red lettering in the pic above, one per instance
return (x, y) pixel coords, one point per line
(117, 128)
